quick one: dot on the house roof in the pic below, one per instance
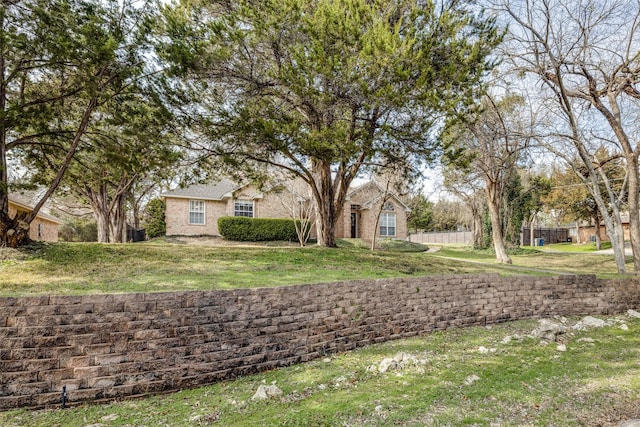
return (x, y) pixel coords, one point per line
(214, 191)
(225, 188)
(24, 204)
(369, 203)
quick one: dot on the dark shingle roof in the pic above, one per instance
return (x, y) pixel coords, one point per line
(212, 191)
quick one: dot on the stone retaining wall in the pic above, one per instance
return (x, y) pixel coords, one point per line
(113, 346)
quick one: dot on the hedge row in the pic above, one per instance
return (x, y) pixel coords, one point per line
(241, 228)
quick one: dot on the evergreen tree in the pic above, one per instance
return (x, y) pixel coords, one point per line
(325, 88)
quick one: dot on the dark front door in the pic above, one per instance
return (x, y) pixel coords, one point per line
(354, 225)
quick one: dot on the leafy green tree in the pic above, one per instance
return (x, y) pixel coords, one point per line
(532, 200)
(421, 215)
(154, 219)
(128, 140)
(449, 215)
(60, 60)
(326, 88)
(129, 143)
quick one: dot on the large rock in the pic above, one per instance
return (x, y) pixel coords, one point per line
(399, 361)
(634, 314)
(387, 364)
(589, 322)
(548, 330)
(267, 392)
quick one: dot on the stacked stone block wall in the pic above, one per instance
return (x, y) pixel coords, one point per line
(114, 346)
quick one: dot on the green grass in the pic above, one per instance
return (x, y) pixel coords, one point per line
(522, 382)
(533, 259)
(573, 247)
(84, 268)
(401, 246)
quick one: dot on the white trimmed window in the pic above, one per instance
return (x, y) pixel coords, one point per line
(387, 224)
(243, 208)
(196, 212)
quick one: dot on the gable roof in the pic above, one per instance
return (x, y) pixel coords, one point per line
(23, 204)
(369, 203)
(215, 191)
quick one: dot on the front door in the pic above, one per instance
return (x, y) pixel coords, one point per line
(354, 225)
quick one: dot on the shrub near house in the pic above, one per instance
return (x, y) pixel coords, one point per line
(256, 229)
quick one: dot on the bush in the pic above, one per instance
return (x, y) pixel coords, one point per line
(78, 230)
(245, 229)
(393, 245)
(153, 220)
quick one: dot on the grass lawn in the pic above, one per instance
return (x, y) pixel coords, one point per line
(573, 247)
(473, 376)
(534, 259)
(83, 268)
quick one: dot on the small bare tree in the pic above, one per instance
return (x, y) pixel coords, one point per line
(467, 186)
(391, 180)
(300, 208)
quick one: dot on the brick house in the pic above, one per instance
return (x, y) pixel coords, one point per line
(43, 228)
(194, 210)
(585, 231)
(361, 209)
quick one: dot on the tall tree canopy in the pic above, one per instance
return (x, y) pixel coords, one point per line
(325, 88)
(130, 143)
(60, 60)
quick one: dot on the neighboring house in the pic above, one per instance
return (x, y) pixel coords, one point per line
(43, 228)
(194, 210)
(585, 231)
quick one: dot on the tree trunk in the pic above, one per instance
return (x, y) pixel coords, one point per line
(326, 229)
(613, 225)
(477, 229)
(596, 222)
(118, 228)
(14, 231)
(324, 195)
(634, 214)
(135, 208)
(101, 212)
(532, 233)
(7, 237)
(496, 228)
(102, 224)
